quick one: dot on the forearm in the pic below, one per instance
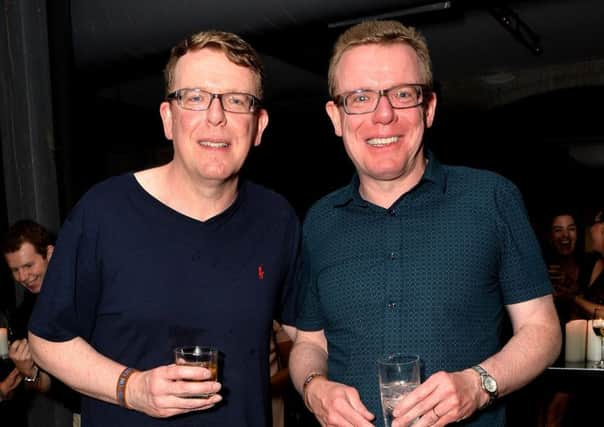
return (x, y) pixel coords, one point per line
(306, 358)
(533, 347)
(587, 307)
(78, 365)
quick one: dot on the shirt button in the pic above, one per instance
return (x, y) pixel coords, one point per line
(391, 305)
(392, 212)
(393, 255)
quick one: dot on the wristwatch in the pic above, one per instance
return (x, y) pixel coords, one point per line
(488, 384)
(34, 377)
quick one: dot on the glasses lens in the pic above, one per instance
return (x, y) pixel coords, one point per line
(194, 99)
(362, 101)
(237, 102)
(406, 96)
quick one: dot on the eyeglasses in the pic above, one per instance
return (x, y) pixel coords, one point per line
(199, 100)
(362, 101)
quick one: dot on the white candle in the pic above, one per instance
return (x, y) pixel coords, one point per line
(576, 336)
(3, 343)
(594, 345)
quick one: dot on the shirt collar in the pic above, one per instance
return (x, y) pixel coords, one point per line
(434, 173)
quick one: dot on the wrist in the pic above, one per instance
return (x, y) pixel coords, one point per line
(33, 377)
(310, 378)
(120, 388)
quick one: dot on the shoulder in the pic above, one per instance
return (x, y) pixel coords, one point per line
(103, 198)
(264, 201)
(478, 177)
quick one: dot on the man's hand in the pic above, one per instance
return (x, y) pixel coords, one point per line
(336, 405)
(442, 399)
(171, 390)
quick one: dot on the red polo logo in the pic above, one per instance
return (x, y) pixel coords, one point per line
(260, 272)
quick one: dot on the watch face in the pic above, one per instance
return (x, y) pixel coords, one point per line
(490, 385)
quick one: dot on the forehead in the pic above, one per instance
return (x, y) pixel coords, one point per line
(377, 66)
(210, 69)
(563, 221)
(25, 254)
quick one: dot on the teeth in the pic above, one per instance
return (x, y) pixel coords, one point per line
(382, 141)
(213, 144)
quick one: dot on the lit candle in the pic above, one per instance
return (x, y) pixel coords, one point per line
(3, 343)
(575, 340)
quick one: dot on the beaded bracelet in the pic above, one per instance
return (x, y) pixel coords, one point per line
(120, 389)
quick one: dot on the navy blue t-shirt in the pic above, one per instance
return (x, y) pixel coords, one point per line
(135, 278)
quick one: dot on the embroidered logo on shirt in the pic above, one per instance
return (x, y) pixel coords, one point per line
(260, 272)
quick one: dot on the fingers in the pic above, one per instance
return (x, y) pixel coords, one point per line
(443, 399)
(170, 390)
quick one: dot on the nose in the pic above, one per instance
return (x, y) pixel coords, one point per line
(20, 276)
(384, 113)
(215, 112)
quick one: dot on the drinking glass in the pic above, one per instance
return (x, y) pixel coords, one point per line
(399, 375)
(196, 355)
(598, 326)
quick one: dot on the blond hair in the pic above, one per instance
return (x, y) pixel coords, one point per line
(237, 50)
(381, 32)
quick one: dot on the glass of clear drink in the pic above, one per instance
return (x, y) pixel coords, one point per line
(196, 355)
(399, 375)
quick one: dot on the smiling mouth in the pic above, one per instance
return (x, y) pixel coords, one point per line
(213, 144)
(381, 142)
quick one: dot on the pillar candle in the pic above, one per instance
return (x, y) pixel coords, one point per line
(594, 345)
(3, 343)
(576, 336)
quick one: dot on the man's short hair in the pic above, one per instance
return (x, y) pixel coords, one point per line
(237, 50)
(27, 231)
(381, 32)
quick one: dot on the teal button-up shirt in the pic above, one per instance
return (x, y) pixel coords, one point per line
(429, 276)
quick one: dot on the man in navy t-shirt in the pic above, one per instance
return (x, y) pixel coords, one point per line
(184, 253)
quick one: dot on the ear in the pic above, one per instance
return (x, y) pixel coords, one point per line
(166, 117)
(262, 124)
(333, 111)
(430, 110)
(49, 250)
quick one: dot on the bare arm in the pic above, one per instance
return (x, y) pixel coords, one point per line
(160, 392)
(534, 346)
(587, 307)
(333, 403)
(447, 397)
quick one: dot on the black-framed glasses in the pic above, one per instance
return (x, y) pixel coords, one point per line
(199, 100)
(362, 101)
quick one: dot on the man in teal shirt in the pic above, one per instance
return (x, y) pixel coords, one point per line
(414, 256)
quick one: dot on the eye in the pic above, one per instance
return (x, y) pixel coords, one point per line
(404, 93)
(194, 97)
(359, 98)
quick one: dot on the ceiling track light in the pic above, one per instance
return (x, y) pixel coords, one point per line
(518, 28)
(416, 10)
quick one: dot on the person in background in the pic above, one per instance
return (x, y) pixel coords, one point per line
(564, 258)
(278, 358)
(414, 256)
(591, 277)
(184, 253)
(27, 247)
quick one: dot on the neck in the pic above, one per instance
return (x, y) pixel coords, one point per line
(200, 200)
(384, 193)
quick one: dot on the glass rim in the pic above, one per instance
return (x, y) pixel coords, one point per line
(398, 358)
(181, 349)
